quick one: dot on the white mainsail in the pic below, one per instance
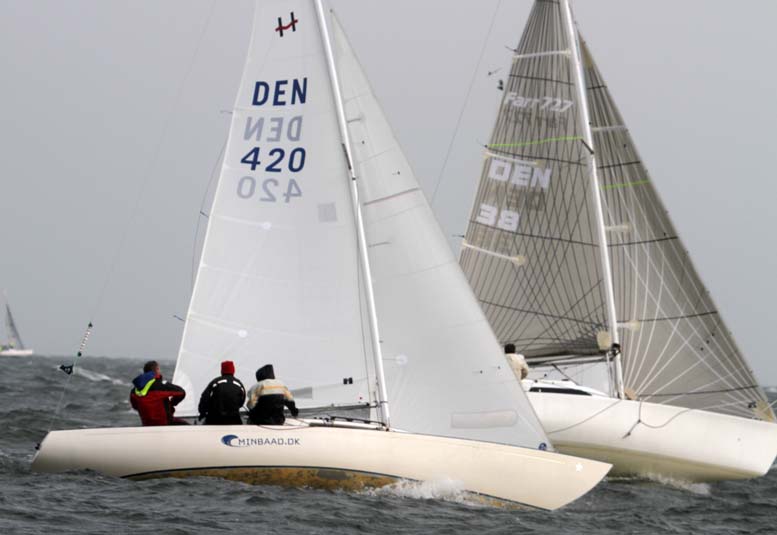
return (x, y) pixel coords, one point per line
(445, 372)
(531, 248)
(14, 339)
(278, 281)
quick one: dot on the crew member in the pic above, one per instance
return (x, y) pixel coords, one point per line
(267, 398)
(222, 399)
(155, 398)
(517, 362)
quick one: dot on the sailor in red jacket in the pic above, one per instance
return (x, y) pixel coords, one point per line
(155, 398)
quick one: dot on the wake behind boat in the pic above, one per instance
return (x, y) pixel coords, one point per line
(323, 256)
(575, 261)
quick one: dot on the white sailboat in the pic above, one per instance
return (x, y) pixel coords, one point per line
(319, 238)
(575, 261)
(13, 346)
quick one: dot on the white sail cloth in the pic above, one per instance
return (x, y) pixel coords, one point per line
(14, 339)
(445, 371)
(278, 278)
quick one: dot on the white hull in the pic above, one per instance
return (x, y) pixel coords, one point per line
(328, 457)
(16, 352)
(689, 445)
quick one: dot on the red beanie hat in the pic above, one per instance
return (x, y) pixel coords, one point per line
(227, 368)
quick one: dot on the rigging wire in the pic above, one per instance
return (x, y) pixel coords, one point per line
(659, 426)
(464, 104)
(146, 175)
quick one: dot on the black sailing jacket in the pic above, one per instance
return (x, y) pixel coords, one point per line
(221, 401)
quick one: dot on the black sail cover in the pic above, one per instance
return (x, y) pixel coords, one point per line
(531, 251)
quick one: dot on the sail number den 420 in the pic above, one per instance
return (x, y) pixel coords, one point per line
(273, 129)
(270, 189)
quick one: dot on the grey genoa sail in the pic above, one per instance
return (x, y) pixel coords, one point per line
(14, 340)
(677, 350)
(536, 270)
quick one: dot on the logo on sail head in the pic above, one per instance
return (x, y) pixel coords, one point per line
(234, 441)
(281, 26)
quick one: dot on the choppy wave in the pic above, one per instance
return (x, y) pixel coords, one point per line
(443, 489)
(97, 376)
(700, 489)
(86, 502)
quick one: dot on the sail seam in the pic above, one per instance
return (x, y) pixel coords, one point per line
(544, 314)
(609, 128)
(536, 142)
(642, 242)
(392, 196)
(701, 392)
(551, 238)
(544, 158)
(542, 54)
(539, 78)
(622, 164)
(680, 317)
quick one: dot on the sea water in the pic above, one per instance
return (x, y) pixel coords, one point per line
(86, 502)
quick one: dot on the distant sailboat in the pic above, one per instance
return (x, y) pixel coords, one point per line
(575, 261)
(323, 257)
(13, 346)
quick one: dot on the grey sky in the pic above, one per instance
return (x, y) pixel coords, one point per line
(88, 87)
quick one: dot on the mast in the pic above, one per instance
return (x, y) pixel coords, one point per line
(574, 45)
(365, 261)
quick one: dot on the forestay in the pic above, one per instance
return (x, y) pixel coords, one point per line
(445, 372)
(676, 348)
(531, 251)
(278, 279)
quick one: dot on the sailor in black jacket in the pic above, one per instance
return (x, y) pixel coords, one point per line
(222, 399)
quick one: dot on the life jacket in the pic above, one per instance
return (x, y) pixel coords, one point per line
(154, 399)
(143, 383)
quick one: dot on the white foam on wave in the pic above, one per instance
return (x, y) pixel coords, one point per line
(447, 490)
(700, 489)
(96, 376)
